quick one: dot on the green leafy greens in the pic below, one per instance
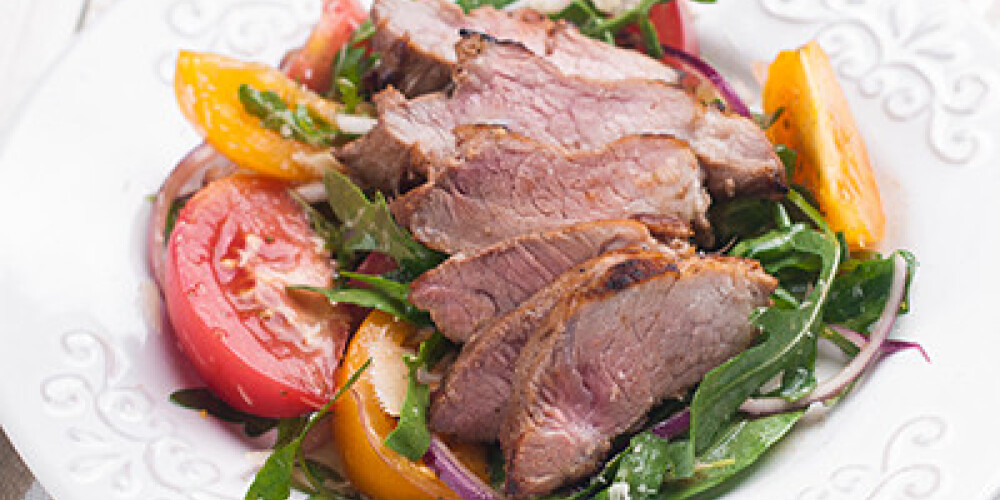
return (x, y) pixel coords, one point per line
(411, 437)
(594, 23)
(350, 65)
(787, 331)
(274, 480)
(300, 123)
(203, 399)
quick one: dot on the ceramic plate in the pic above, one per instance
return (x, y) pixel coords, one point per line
(87, 367)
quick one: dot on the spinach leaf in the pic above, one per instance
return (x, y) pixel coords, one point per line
(368, 226)
(350, 65)
(725, 388)
(739, 446)
(858, 296)
(274, 480)
(299, 123)
(203, 399)
(411, 438)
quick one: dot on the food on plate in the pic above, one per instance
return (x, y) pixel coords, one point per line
(236, 246)
(503, 185)
(416, 40)
(473, 288)
(612, 349)
(361, 424)
(476, 390)
(211, 89)
(580, 266)
(817, 123)
(505, 84)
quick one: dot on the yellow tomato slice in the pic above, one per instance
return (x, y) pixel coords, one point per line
(832, 159)
(360, 427)
(207, 86)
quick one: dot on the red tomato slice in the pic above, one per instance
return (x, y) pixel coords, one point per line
(263, 349)
(312, 63)
(674, 26)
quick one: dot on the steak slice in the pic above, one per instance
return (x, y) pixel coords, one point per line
(503, 185)
(470, 289)
(649, 328)
(417, 42)
(474, 393)
(504, 83)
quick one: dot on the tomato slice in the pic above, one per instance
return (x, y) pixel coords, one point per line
(360, 426)
(263, 349)
(674, 26)
(207, 91)
(673, 23)
(312, 64)
(832, 158)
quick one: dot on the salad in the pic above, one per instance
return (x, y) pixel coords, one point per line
(484, 250)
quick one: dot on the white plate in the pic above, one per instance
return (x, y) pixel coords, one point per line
(86, 372)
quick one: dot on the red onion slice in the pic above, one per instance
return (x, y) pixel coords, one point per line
(201, 164)
(712, 76)
(869, 354)
(888, 348)
(453, 474)
(674, 426)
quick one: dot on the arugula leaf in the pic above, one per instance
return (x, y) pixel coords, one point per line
(648, 461)
(350, 65)
(469, 5)
(368, 226)
(788, 156)
(411, 438)
(203, 399)
(742, 218)
(373, 298)
(171, 220)
(274, 480)
(494, 464)
(725, 388)
(858, 296)
(299, 123)
(766, 120)
(320, 224)
(739, 446)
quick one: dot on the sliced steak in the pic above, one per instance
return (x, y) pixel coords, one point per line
(504, 83)
(504, 185)
(471, 399)
(416, 39)
(470, 289)
(647, 329)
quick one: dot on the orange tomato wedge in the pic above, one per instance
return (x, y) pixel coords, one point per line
(207, 86)
(832, 159)
(360, 426)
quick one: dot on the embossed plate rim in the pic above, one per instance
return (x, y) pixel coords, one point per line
(84, 399)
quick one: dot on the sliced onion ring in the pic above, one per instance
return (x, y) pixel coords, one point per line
(200, 165)
(675, 425)
(456, 476)
(834, 386)
(889, 347)
(706, 72)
